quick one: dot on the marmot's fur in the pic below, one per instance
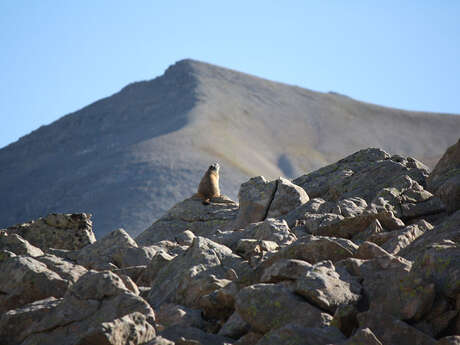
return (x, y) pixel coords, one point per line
(209, 185)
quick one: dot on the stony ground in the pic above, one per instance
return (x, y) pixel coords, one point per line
(363, 251)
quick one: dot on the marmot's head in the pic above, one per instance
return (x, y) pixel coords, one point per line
(214, 167)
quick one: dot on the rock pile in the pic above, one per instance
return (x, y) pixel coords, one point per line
(364, 251)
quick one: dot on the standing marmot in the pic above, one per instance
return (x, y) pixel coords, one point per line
(209, 185)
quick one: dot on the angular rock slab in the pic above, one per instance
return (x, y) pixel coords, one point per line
(17, 245)
(324, 287)
(25, 280)
(287, 197)
(270, 306)
(255, 197)
(199, 271)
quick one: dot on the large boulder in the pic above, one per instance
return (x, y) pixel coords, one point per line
(116, 248)
(97, 309)
(270, 306)
(255, 197)
(287, 197)
(444, 181)
(24, 280)
(202, 269)
(61, 231)
(190, 214)
(362, 174)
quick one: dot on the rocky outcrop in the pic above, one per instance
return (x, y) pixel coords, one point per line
(60, 231)
(445, 179)
(362, 262)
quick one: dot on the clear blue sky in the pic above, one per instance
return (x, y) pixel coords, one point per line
(58, 56)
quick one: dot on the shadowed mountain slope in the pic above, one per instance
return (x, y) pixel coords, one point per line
(129, 157)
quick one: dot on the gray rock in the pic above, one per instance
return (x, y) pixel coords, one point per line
(285, 269)
(255, 197)
(15, 323)
(324, 287)
(199, 271)
(235, 327)
(296, 334)
(362, 174)
(444, 181)
(93, 308)
(392, 331)
(25, 280)
(287, 197)
(155, 265)
(170, 314)
(64, 268)
(447, 230)
(190, 214)
(362, 336)
(193, 336)
(116, 248)
(270, 306)
(404, 237)
(185, 238)
(61, 231)
(16, 244)
(129, 329)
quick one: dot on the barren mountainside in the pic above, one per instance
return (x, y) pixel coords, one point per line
(129, 157)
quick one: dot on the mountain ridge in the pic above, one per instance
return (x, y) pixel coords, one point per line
(128, 157)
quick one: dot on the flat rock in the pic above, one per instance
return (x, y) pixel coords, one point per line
(190, 214)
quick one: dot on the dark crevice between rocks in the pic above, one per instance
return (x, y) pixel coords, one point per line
(271, 200)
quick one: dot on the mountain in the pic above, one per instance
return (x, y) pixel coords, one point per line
(129, 157)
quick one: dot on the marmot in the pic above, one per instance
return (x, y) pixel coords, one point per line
(209, 185)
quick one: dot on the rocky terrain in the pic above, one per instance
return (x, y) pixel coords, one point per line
(129, 158)
(363, 251)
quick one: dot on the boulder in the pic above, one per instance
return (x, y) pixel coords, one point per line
(199, 271)
(402, 238)
(362, 174)
(270, 306)
(117, 248)
(93, 312)
(190, 214)
(362, 336)
(324, 287)
(193, 336)
(255, 197)
(392, 331)
(24, 280)
(130, 329)
(444, 181)
(285, 269)
(17, 245)
(15, 323)
(287, 197)
(61, 231)
(296, 334)
(170, 314)
(66, 269)
(449, 229)
(235, 327)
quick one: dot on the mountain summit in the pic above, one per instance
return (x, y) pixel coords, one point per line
(127, 158)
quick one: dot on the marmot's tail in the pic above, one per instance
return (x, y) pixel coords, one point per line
(206, 201)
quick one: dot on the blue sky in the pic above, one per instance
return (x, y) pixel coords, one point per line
(58, 56)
